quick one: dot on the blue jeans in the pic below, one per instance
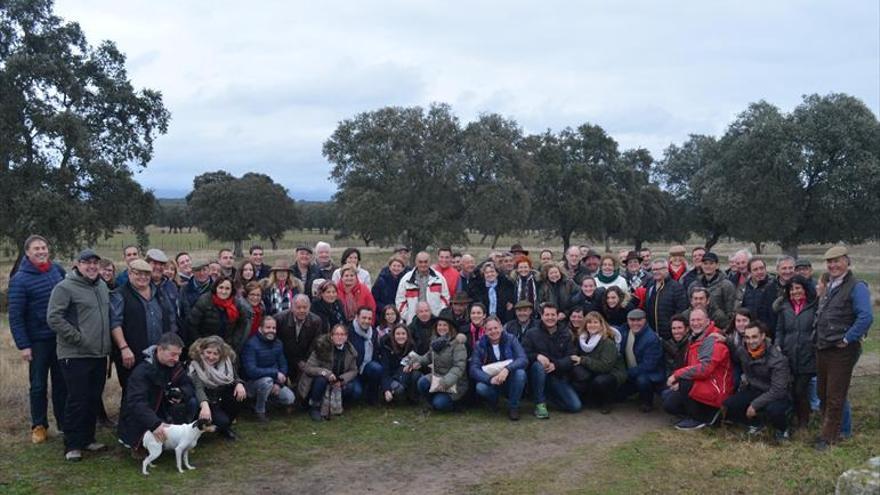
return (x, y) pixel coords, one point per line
(440, 401)
(551, 386)
(846, 420)
(512, 388)
(43, 363)
(371, 378)
(641, 384)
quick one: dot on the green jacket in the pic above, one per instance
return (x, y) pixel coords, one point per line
(79, 314)
(604, 359)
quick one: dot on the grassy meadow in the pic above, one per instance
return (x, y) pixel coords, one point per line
(400, 448)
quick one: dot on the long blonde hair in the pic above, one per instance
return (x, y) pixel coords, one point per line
(607, 332)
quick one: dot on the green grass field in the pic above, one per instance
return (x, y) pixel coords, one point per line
(398, 449)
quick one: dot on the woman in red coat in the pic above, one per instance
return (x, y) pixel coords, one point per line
(353, 294)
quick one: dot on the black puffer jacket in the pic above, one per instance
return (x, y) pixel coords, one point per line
(662, 303)
(794, 334)
(769, 374)
(206, 319)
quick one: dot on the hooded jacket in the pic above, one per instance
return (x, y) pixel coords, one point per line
(79, 313)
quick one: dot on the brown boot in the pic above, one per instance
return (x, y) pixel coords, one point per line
(39, 434)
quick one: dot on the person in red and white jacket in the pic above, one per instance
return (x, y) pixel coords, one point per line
(698, 389)
(421, 284)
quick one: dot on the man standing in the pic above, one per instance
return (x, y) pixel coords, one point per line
(227, 263)
(261, 270)
(696, 272)
(645, 255)
(184, 267)
(760, 293)
(298, 328)
(467, 275)
(29, 291)
(444, 267)
(421, 284)
(140, 313)
(722, 293)
(664, 298)
(303, 269)
(129, 254)
(323, 262)
(198, 284)
(79, 313)
(572, 266)
(157, 260)
(842, 321)
(739, 274)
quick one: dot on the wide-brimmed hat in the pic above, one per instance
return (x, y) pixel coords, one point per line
(461, 297)
(447, 316)
(632, 255)
(280, 265)
(517, 248)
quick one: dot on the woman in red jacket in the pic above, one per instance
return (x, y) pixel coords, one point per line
(353, 294)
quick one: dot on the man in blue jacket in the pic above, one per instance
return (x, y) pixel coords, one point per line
(643, 354)
(493, 347)
(29, 291)
(264, 369)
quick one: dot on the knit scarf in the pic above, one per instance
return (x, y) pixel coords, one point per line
(367, 335)
(609, 278)
(492, 289)
(525, 289)
(629, 352)
(757, 353)
(588, 344)
(219, 375)
(227, 305)
(439, 343)
(257, 320)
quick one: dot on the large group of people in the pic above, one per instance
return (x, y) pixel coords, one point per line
(205, 339)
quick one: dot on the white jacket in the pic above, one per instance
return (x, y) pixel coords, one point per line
(437, 295)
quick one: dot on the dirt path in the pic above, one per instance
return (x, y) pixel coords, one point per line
(869, 364)
(437, 472)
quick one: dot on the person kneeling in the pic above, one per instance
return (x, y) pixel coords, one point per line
(217, 386)
(698, 389)
(333, 363)
(398, 376)
(159, 393)
(264, 369)
(498, 366)
(763, 394)
(598, 367)
(447, 356)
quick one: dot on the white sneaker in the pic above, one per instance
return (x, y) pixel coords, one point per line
(74, 455)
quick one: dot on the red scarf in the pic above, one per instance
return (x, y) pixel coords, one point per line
(258, 319)
(677, 274)
(43, 267)
(227, 305)
(476, 333)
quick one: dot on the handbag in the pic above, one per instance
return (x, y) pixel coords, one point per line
(437, 382)
(493, 369)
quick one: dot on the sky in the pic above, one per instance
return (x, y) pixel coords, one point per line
(259, 86)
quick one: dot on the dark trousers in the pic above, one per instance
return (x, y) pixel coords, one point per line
(44, 364)
(85, 379)
(224, 407)
(834, 368)
(642, 385)
(371, 378)
(598, 388)
(801, 393)
(775, 413)
(352, 390)
(679, 403)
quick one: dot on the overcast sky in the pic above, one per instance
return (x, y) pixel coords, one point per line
(261, 85)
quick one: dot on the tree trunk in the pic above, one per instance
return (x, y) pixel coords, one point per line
(759, 247)
(17, 260)
(790, 248)
(495, 241)
(274, 242)
(236, 248)
(712, 240)
(637, 245)
(483, 239)
(566, 242)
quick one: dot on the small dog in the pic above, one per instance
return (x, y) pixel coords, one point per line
(179, 438)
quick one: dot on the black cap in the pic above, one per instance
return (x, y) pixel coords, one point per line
(87, 254)
(710, 257)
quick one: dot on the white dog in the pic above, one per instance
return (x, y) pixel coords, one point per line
(179, 438)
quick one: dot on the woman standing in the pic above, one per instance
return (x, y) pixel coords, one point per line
(328, 307)
(244, 275)
(352, 256)
(794, 329)
(219, 390)
(216, 313)
(525, 280)
(255, 308)
(496, 293)
(448, 381)
(353, 294)
(385, 289)
(609, 274)
(556, 288)
(281, 288)
(598, 368)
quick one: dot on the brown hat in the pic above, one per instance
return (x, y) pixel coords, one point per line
(280, 265)
(523, 304)
(677, 251)
(632, 255)
(518, 249)
(835, 252)
(461, 297)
